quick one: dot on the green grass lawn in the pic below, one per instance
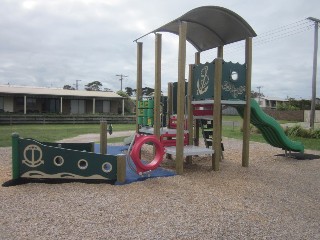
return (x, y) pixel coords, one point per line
(230, 132)
(55, 132)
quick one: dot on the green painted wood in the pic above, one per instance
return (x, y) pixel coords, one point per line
(15, 156)
(203, 84)
(41, 161)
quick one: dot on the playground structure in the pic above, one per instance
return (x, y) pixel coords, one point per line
(32, 159)
(209, 85)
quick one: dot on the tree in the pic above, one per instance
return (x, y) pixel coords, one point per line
(93, 86)
(256, 94)
(107, 90)
(147, 91)
(68, 87)
(129, 91)
(128, 103)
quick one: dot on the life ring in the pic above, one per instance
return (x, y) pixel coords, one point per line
(135, 153)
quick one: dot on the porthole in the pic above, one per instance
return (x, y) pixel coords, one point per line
(107, 167)
(82, 164)
(58, 161)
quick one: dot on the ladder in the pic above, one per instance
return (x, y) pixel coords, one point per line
(207, 128)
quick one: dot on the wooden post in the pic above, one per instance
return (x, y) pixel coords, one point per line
(169, 102)
(121, 168)
(157, 86)
(220, 55)
(61, 105)
(216, 146)
(190, 110)
(15, 156)
(197, 126)
(139, 81)
(181, 96)
(246, 115)
(93, 105)
(220, 52)
(122, 106)
(103, 137)
(25, 104)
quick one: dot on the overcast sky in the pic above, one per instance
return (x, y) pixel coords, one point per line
(51, 43)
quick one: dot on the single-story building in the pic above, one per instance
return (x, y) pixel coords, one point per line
(22, 99)
(270, 102)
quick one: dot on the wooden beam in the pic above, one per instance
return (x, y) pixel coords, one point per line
(190, 110)
(169, 102)
(103, 137)
(220, 52)
(157, 85)
(197, 125)
(139, 81)
(121, 168)
(246, 117)
(216, 146)
(181, 96)
(93, 105)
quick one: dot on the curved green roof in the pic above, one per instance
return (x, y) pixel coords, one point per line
(210, 27)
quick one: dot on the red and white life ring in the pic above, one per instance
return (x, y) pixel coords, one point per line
(135, 152)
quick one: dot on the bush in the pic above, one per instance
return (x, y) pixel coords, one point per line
(316, 133)
(298, 131)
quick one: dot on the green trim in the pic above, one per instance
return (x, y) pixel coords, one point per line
(15, 156)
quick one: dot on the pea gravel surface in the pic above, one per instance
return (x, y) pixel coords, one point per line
(274, 198)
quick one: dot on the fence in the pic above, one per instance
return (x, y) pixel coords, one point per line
(9, 119)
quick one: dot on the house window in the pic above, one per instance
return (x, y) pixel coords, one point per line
(102, 106)
(31, 102)
(77, 106)
(19, 101)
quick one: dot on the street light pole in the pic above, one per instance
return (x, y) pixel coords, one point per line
(314, 73)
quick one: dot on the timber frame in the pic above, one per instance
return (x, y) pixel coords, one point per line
(205, 28)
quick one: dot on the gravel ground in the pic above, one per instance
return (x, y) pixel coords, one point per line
(275, 198)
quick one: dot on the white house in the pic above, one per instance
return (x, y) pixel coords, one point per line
(270, 102)
(53, 100)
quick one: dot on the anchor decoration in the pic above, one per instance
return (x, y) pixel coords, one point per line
(35, 161)
(203, 82)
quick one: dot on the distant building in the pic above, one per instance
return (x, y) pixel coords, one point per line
(25, 100)
(270, 102)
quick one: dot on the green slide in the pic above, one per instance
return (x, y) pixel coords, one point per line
(270, 129)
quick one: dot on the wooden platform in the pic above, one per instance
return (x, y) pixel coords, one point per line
(190, 150)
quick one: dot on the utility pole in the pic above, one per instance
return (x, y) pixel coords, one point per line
(314, 74)
(77, 85)
(121, 78)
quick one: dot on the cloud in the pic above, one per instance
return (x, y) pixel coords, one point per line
(53, 43)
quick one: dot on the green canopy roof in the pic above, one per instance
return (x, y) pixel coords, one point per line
(210, 27)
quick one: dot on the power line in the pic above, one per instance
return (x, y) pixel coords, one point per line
(275, 34)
